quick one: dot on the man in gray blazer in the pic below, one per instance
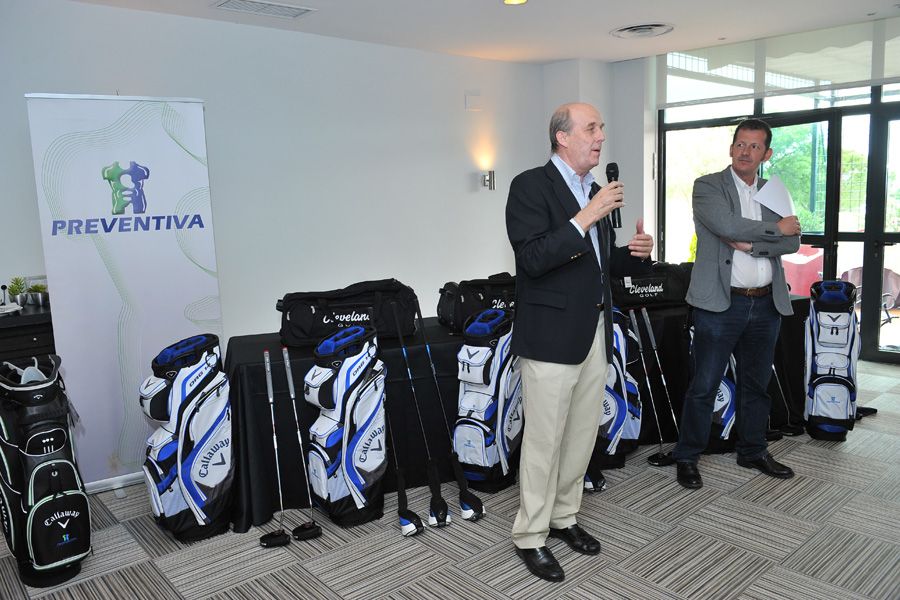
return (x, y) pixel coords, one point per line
(738, 294)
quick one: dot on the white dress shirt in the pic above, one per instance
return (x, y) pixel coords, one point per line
(748, 271)
(581, 189)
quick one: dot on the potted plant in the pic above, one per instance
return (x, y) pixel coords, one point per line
(16, 291)
(38, 295)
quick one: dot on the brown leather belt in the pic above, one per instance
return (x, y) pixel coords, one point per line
(752, 292)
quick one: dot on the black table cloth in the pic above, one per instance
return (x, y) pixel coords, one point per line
(255, 490)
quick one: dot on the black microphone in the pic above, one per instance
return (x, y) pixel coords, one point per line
(612, 174)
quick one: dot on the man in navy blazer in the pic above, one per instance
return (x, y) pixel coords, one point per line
(556, 219)
(738, 293)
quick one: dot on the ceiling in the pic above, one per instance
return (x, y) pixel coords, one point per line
(542, 31)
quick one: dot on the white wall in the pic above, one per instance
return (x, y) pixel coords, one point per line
(330, 161)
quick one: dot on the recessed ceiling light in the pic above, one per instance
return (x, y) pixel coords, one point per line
(644, 30)
(514, 2)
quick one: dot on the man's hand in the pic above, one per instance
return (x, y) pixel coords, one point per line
(742, 246)
(789, 225)
(608, 198)
(641, 244)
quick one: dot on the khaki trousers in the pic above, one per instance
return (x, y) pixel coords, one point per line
(563, 405)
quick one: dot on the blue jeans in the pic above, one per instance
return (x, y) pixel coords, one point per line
(748, 329)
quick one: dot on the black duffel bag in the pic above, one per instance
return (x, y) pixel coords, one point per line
(308, 317)
(665, 284)
(459, 301)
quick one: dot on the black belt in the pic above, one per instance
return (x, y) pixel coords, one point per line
(752, 292)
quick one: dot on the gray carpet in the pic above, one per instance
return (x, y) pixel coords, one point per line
(832, 532)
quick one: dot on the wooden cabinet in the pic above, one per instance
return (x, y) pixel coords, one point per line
(28, 333)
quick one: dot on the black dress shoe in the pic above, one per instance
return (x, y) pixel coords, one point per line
(767, 465)
(689, 475)
(541, 562)
(577, 538)
(791, 430)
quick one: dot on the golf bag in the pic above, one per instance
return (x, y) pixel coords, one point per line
(188, 470)
(620, 424)
(348, 454)
(832, 349)
(44, 509)
(489, 426)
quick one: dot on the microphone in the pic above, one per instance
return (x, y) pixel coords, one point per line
(612, 174)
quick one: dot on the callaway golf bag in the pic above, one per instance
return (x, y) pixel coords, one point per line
(44, 509)
(832, 349)
(489, 426)
(348, 455)
(188, 470)
(620, 424)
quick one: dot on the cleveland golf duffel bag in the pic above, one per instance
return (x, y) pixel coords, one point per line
(460, 301)
(348, 455)
(665, 284)
(832, 349)
(45, 512)
(620, 423)
(189, 470)
(308, 317)
(490, 422)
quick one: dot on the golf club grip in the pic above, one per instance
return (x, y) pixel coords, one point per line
(458, 472)
(434, 479)
(399, 329)
(287, 370)
(649, 327)
(268, 364)
(637, 330)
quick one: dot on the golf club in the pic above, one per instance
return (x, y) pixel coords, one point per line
(309, 529)
(279, 537)
(787, 428)
(660, 459)
(662, 376)
(470, 506)
(438, 516)
(410, 523)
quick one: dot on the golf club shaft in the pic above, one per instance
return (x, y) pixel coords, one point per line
(290, 381)
(412, 384)
(662, 375)
(268, 364)
(637, 332)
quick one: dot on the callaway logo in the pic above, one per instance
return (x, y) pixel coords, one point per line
(37, 397)
(470, 353)
(369, 444)
(206, 461)
(833, 318)
(57, 516)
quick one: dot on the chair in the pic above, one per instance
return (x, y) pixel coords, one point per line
(890, 281)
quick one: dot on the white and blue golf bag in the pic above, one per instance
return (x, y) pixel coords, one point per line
(832, 349)
(45, 512)
(490, 421)
(189, 469)
(620, 423)
(348, 454)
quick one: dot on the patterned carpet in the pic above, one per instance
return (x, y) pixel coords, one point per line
(831, 532)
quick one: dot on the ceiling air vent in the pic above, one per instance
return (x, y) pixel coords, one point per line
(266, 9)
(644, 30)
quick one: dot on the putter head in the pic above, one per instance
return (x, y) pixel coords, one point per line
(306, 531)
(661, 460)
(410, 523)
(275, 539)
(439, 514)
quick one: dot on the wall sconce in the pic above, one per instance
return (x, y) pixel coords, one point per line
(488, 180)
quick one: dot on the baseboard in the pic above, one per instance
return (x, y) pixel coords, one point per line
(114, 483)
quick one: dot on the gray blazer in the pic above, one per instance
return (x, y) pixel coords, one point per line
(717, 214)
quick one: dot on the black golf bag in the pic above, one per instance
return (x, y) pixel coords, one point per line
(348, 453)
(620, 424)
(188, 470)
(44, 509)
(488, 433)
(832, 349)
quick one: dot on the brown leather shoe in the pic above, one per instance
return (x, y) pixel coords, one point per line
(541, 562)
(577, 538)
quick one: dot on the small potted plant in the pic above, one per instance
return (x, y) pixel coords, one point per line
(16, 291)
(38, 295)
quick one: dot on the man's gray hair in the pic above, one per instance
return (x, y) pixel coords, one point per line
(560, 121)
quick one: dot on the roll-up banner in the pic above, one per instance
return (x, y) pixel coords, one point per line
(126, 224)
